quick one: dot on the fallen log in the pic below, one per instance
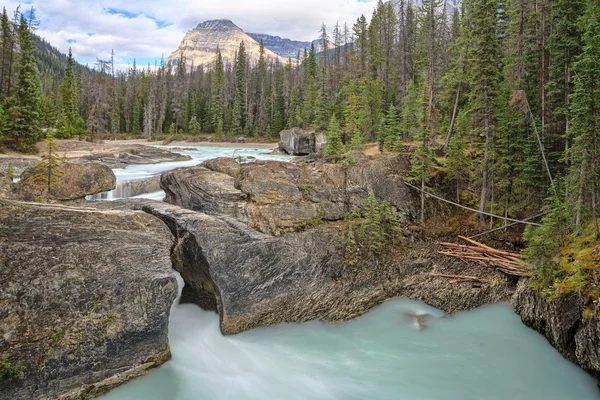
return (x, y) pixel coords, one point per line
(507, 262)
(462, 277)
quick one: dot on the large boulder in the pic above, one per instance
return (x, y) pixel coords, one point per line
(252, 279)
(299, 142)
(562, 322)
(84, 299)
(277, 197)
(80, 179)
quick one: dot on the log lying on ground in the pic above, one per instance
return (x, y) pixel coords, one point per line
(508, 262)
(459, 277)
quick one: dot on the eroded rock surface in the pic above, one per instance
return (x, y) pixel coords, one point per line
(80, 179)
(253, 279)
(562, 322)
(84, 298)
(276, 197)
(136, 154)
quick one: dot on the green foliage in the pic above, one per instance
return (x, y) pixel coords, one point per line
(357, 141)
(411, 111)
(24, 106)
(110, 318)
(458, 165)
(58, 335)
(10, 171)
(194, 126)
(8, 371)
(48, 170)
(585, 107)
(335, 147)
(373, 237)
(309, 223)
(564, 260)
(239, 103)
(391, 133)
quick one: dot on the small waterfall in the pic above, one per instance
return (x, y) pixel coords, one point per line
(146, 188)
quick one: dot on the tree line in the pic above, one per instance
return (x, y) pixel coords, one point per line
(502, 95)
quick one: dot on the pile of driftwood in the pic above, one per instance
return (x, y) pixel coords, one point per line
(508, 262)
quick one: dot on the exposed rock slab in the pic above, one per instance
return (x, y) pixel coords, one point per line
(135, 155)
(80, 179)
(561, 321)
(253, 279)
(276, 197)
(84, 298)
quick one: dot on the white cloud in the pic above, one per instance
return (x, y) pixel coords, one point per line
(151, 28)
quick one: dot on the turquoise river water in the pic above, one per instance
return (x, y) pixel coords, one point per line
(486, 354)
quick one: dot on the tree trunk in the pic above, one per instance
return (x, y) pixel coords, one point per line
(423, 201)
(485, 176)
(595, 211)
(451, 129)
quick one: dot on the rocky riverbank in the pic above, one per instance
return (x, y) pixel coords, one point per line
(564, 322)
(84, 299)
(260, 244)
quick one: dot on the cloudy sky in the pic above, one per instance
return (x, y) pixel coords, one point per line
(147, 29)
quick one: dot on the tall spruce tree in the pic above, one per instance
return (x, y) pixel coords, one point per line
(69, 100)
(216, 94)
(239, 102)
(334, 148)
(484, 73)
(585, 155)
(25, 103)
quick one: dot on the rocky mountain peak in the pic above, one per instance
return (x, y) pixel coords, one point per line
(219, 25)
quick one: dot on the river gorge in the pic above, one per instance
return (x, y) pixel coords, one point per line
(289, 323)
(482, 354)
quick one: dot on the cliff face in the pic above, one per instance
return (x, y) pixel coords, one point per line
(563, 322)
(288, 48)
(199, 46)
(84, 299)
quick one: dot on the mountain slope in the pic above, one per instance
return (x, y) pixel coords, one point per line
(199, 46)
(286, 48)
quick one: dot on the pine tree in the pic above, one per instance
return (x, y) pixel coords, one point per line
(239, 103)
(423, 161)
(48, 171)
(7, 43)
(335, 147)
(217, 92)
(585, 156)
(25, 104)
(322, 107)
(391, 133)
(69, 100)
(410, 113)
(310, 102)
(485, 72)
(458, 164)
(357, 141)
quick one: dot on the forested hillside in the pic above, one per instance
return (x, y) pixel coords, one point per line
(502, 95)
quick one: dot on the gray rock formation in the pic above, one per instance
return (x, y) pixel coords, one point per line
(277, 197)
(561, 321)
(288, 48)
(137, 154)
(84, 299)
(253, 279)
(300, 142)
(80, 179)
(199, 46)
